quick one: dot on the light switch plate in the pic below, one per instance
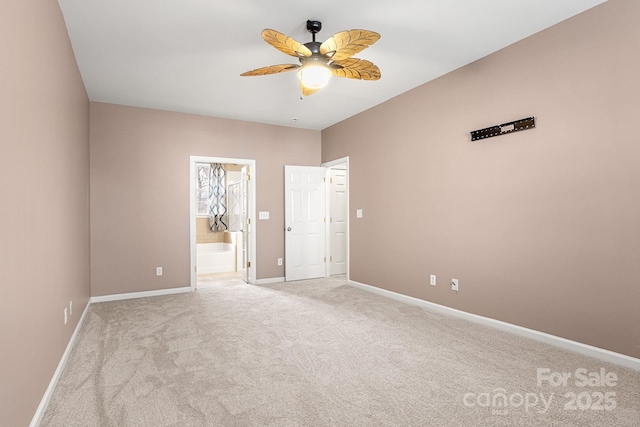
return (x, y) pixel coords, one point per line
(358, 213)
(263, 215)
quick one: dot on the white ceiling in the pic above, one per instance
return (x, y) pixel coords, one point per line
(187, 55)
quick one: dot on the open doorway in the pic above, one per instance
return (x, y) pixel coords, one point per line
(222, 208)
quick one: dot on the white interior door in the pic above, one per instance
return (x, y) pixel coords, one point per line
(338, 222)
(305, 211)
(246, 226)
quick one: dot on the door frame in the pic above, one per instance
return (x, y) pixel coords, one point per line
(328, 165)
(251, 211)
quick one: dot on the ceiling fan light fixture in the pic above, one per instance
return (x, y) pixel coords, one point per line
(314, 76)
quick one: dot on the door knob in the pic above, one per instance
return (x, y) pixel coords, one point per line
(288, 228)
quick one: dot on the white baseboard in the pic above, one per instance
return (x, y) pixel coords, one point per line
(269, 280)
(42, 407)
(577, 347)
(144, 294)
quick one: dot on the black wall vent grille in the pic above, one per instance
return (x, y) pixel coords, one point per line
(515, 126)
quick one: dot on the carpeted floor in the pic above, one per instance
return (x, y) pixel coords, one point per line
(321, 353)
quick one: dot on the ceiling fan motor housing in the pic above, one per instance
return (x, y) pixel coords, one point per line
(314, 47)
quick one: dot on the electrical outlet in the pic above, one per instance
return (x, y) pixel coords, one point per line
(279, 261)
(65, 315)
(454, 285)
(432, 280)
(70, 308)
(158, 271)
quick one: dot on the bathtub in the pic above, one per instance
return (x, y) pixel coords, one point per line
(215, 257)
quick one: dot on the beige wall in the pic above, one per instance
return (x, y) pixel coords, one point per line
(140, 169)
(44, 189)
(541, 227)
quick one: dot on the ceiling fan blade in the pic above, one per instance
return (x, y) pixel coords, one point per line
(306, 91)
(347, 43)
(354, 68)
(285, 44)
(272, 69)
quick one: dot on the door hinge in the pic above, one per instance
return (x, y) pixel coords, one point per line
(248, 177)
(325, 259)
(331, 181)
(331, 258)
(248, 220)
(248, 264)
(195, 269)
(324, 179)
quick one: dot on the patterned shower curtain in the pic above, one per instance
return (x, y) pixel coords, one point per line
(217, 198)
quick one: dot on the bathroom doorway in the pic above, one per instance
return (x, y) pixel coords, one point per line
(222, 208)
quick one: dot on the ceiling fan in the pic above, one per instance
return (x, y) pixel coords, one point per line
(319, 61)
